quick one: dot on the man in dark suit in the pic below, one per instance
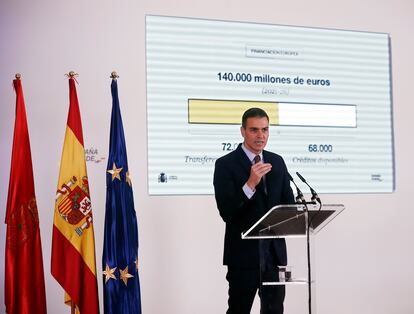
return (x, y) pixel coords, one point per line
(247, 183)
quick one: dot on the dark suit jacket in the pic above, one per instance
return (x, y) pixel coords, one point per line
(240, 213)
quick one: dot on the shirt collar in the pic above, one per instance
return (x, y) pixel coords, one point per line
(251, 155)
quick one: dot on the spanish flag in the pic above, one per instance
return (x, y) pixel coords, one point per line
(73, 243)
(24, 286)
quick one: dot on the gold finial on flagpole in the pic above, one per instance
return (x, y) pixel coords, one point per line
(114, 75)
(72, 75)
(18, 76)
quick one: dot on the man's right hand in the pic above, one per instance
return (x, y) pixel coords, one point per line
(257, 172)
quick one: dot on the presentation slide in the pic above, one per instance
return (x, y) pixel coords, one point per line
(327, 93)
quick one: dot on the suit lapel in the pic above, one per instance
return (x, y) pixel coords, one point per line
(246, 164)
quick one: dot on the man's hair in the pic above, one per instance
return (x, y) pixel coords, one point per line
(253, 113)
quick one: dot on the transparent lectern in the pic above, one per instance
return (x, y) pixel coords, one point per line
(298, 220)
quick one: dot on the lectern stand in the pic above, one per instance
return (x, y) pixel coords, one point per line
(288, 221)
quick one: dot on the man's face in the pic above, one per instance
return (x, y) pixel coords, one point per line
(255, 134)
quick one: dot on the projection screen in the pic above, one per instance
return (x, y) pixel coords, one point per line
(327, 92)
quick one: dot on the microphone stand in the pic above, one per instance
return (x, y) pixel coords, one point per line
(309, 260)
(315, 198)
(308, 255)
(301, 200)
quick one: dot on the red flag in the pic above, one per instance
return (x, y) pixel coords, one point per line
(24, 280)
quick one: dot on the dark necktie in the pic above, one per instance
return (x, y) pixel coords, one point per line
(262, 184)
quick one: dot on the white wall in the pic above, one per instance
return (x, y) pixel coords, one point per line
(364, 259)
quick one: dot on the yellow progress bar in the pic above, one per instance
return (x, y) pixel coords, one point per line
(205, 111)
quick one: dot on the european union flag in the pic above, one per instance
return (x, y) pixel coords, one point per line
(120, 254)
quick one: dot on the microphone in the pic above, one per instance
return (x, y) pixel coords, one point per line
(315, 196)
(299, 197)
